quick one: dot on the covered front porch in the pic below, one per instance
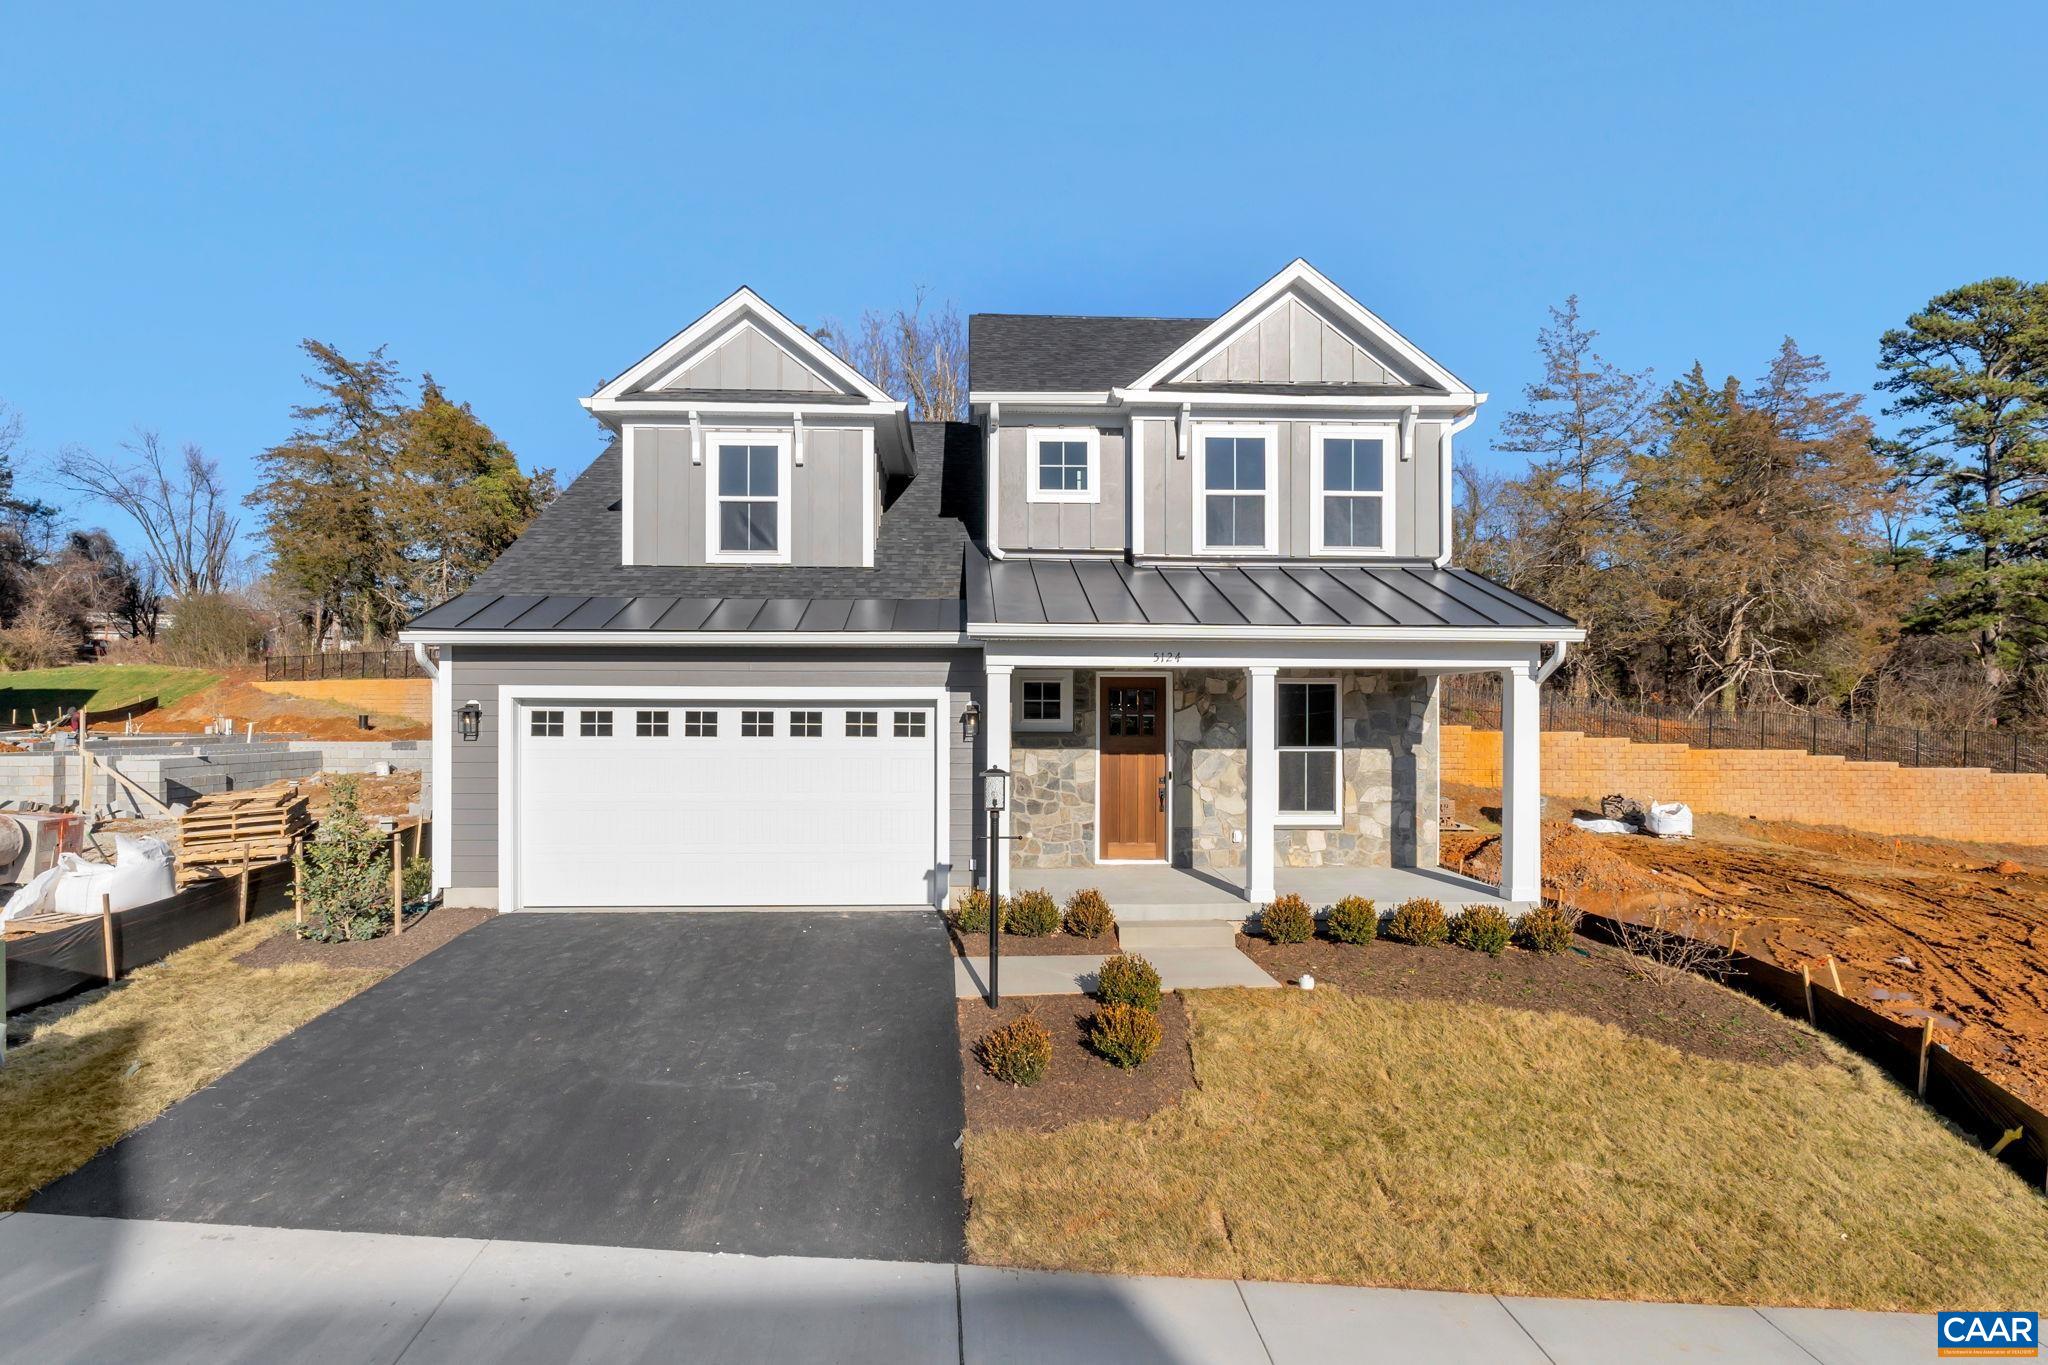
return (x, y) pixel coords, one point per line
(1141, 892)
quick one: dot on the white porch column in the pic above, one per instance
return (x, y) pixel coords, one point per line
(1262, 777)
(997, 747)
(1521, 788)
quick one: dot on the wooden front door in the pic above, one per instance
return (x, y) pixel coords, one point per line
(1133, 782)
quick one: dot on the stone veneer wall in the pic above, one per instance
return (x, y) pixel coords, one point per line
(1389, 732)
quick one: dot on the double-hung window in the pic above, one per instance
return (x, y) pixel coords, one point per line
(1311, 780)
(1236, 501)
(1353, 501)
(1045, 701)
(1063, 464)
(748, 510)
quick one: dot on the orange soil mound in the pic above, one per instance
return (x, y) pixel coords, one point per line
(275, 715)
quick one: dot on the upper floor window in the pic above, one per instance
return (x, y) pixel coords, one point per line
(1352, 515)
(1236, 506)
(749, 503)
(1063, 465)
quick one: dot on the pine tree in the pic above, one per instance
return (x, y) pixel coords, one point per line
(344, 874)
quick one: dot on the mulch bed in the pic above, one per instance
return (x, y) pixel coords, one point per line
(1079, 1085)
(1592, 980)
(421, 936)
(1047, 945)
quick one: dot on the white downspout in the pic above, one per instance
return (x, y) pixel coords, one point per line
(992, 470)
(425, 660)
(1443, 497)
(1550, 665)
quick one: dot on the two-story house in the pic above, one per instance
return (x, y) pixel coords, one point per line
(1189, 582)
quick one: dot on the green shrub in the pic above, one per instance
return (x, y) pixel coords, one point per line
(344, 874)
(970, 912)
(1088, 915)
(1418, 921)
(1017, 1052)
(1125, 1034)
(1128, 979)
(1483, 928)
(1546, 929)
(1353, 920)
(1287, 919)
(416, 880)
(1034, 914)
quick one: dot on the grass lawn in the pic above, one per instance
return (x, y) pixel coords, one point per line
(98, 1067)
(1361, 1139)
(100, 687)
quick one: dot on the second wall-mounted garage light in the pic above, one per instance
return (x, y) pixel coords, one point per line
(472, 717)
(970, 721)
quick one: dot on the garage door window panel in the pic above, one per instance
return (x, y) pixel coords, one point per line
(651, 724)
(757, 725)
(806, 724)
(547, 724)
(595, 724)
(700, 725)
(862, 724)
(910, 725)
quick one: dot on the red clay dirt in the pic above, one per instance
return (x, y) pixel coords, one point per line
(276, 715)
(1918, 928)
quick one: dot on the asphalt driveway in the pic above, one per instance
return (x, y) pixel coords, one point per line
(776, 1083)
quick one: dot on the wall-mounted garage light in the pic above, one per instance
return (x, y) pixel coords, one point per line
(472, 717)
(970, 721)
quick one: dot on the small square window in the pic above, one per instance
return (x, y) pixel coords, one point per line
(806, 724)
(596, 724)
(1044, 702)
(757, 724)
(862, 724)
(700, 724)
(547, 724)
(910, 725)
(650, 724)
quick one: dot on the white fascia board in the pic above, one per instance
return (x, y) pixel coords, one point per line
(1446, 657)
(669, 639)
(1199, 398)
(713, 324)
(655, 405)
(1255, 635)
(1299, 274)
(1043, 398)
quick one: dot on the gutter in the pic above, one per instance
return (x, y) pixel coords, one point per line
(1550, 665)
(425, 660)
(1443, 497)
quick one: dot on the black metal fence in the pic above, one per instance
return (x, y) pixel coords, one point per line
(346, 663)
(1470, 699)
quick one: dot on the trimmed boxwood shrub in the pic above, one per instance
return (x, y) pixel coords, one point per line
(970, 913)
(1125, 1034)
(1034, 914)
(1088, 915)
(1483, 928)
(1128, 979)
(1287, 919)
(1420, 920)
(1017, 1052)
(1546, 929)
(1353, 920)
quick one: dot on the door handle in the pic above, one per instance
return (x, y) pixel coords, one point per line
(1162, 793)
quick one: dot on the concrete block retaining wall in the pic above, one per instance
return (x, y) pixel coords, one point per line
(183, 770)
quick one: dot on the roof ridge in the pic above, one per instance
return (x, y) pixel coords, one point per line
(1093, 317)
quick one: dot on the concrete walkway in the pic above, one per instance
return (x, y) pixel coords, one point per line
(108, 1290)
(1180, 969)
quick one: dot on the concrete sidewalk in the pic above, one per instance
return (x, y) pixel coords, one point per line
(104, 1290)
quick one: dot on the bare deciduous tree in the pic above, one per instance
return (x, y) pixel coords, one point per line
(177, 502)
(917, 355)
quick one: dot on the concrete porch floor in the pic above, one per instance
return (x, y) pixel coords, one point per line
(1149, 891)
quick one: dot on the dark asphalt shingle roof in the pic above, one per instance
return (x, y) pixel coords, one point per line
(1111, 592)
(799, 615)
(1015, 352)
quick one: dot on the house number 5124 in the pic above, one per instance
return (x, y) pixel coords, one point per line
(1165, 656)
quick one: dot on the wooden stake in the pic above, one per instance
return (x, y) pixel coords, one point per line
(397, 883)
(2012, 1135)
(242, 889)
(1834, 976)
(113, 962)
(1926, 1042)
(298, 909)
(1806, 982)
(1735, 941)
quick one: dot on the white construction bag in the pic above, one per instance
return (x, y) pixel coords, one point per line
(140, 873)
(1671, 821)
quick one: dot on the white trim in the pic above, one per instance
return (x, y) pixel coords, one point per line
(675, 371)
(1259, 635)
(1262, 766)
(512, 697)
(1166, 708)
(1443, 497)
(654, 405)
(998, 742)
(992, 480)
(1332, 819)
(627, 441)
(1215, 398)
(1089, 437)
(713, 502)
(871, 497)
(1115, 656)
(668, 639)
(1035, 398)
(1304, 280)
(1063, 724)
(1134, 481)
(1199, 458)
(714, 324)
(1383, 432)
(442, 772)
(1521, 782)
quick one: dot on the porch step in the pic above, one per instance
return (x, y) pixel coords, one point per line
(1143, 935)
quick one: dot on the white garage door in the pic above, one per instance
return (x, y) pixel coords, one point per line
(685, 803)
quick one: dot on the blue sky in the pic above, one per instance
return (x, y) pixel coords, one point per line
(524, 199)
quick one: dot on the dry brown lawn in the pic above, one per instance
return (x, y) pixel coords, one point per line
(1361, 1140)
(99, 1068)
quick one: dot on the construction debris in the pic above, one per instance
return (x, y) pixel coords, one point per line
(222, 832)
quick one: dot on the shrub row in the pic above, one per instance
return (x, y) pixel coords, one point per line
(1482, 928)
(1034, 914)
(1125, 1031)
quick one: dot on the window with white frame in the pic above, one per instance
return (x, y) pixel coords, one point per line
(595, 724)
(1310, 756)
(1236, 506)
(700, 725)
(1063, 464)
(650, 724)
(749, 503)
(861, 724)
(1045, 701)
(757, 725)
(806, 724)
(1353, 512)
(547, 725)
(910, 725)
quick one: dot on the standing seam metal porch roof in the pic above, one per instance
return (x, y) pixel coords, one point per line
(1106, 592)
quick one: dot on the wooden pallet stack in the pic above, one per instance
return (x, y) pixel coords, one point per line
(228, 830)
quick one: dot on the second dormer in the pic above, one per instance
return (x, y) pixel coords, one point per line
(1298, 425)
(744, 440)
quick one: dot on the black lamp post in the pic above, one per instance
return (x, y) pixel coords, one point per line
(995, 791)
